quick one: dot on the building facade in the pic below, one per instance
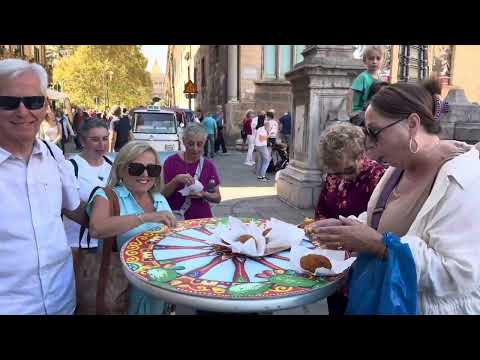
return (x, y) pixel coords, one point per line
(180, 69)
(32, 53)
(238, 77)
(158, 81)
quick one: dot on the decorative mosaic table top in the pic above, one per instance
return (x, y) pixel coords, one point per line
(182, 261)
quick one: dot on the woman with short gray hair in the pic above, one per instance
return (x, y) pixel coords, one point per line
(185, 169)
(92, 169)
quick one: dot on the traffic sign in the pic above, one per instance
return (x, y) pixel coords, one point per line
(190, 88)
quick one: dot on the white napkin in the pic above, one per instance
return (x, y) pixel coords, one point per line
(195, 188)
(336, 257)
(281, 237)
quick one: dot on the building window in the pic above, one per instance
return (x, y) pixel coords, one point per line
(36, 54)
(203, 72)
(413, 63)
(19, 50)
(279, 59)
(298, 53)
(195, 75)
(269, 61)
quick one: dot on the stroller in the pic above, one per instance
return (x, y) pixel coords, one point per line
(279, 159)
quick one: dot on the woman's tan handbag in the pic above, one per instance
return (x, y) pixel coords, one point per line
(102, 287)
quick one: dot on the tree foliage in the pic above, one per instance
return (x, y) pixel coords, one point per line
(115, 73)
(54, 53)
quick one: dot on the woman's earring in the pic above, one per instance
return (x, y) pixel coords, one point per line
(412, 140)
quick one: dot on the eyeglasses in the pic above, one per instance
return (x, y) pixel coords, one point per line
(13, 102)
(137, 169)
(373, 134)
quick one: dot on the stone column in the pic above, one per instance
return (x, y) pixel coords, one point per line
(232, 92)
(319, 85)
(232, 84)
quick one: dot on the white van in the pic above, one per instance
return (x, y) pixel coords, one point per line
(158, 126)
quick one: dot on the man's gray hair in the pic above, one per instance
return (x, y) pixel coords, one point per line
(193, 129)
(10, 68)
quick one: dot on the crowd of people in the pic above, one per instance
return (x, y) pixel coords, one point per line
(390, 182)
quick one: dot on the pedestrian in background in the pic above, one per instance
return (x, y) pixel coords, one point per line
(67, 130)
(285, 128)
(261, 137)
(220, 141)
(50, 129)
(210, 126)
(248, 130)
(122, 132)
(273, 130)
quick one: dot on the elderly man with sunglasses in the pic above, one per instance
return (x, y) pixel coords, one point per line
(36, 183)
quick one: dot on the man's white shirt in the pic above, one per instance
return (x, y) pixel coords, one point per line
(36, 268)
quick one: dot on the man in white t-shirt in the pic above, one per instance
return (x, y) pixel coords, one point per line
(36, 184)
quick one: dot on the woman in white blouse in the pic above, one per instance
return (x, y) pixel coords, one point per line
(433, 207)
(50, 129)
(261, 138)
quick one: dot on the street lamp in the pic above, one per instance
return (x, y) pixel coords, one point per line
(107, 76)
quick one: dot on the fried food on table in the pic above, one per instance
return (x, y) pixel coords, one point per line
(311, 262)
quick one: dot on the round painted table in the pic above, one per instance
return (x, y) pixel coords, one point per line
(180, 267)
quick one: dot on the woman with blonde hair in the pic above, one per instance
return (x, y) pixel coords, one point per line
(134, 179)
(50, 129)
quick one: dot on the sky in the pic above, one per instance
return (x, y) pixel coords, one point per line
(158, 52)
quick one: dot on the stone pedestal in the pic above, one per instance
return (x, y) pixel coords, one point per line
(462, 122)
(319, 85)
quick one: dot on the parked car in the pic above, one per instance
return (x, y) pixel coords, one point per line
(158, 126)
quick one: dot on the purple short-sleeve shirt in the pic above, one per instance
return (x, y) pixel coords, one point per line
(175, 165)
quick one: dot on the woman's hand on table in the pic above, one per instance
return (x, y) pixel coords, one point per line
(184, 179)
(163, 217)
(348, 234)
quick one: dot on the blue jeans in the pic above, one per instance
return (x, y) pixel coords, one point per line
(262, 165)
(209, 145)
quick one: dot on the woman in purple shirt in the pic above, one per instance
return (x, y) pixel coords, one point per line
(351, 178)
(180, 170)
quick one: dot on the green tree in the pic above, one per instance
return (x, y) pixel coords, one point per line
(115, 73)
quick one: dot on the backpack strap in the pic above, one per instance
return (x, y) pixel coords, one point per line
(108, 161)
(392, 181)
(109, 245)
(85, 227)
(49, 148)
(75, 167)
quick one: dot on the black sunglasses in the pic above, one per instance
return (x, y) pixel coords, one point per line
(373, 134)
(13, 102)
(137, 169)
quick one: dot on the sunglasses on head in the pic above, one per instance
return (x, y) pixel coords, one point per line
(137, 169)
(13, 102)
